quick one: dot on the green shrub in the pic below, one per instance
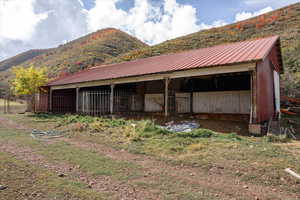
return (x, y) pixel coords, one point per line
(230, 136)
(277, 139)
(69, 119)
(147, 128)
(197, 133)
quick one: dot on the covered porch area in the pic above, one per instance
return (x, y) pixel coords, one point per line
(212, 95)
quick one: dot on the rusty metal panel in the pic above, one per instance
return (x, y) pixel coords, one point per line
(222, 55)
(154, 102)
(231, 102)
(265, 91)
(183, 101)
(42, 101)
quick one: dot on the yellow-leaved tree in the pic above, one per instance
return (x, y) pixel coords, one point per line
(27, 81)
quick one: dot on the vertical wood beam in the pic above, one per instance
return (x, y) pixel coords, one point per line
(112, 99)
(192, 99)
(166, 96)
(50, 99)
(254, 96)
(251, 98)
(77, 99)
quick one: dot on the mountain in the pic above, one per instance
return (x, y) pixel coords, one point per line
(21, 58)
(284, 22)
(90, 50)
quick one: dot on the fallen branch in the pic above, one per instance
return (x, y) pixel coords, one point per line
(288, 170)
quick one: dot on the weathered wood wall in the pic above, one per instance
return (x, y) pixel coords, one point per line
(233, 102)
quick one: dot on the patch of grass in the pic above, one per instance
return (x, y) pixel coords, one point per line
(251, 159)
(15, 107)
(25, 181)
(98, 165)
(277, 139)
(198, 133)
(90, 162)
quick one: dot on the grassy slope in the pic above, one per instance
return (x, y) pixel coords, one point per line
(283, 22)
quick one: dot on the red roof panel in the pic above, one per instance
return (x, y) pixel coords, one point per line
(240, 52)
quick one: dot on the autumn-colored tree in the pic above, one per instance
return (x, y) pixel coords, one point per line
(27, 81)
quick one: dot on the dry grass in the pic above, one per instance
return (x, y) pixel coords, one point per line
(252, 160)
(15, 107)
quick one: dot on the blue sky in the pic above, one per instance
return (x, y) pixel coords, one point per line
(209, 11)
(38, 24)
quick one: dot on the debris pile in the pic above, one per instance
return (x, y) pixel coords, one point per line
(181, 127)
(38, 134)
(3, 187)
(291, 105)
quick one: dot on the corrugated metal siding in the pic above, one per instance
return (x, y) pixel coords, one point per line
(265, 91)
(42, 102)
(183, 101)
(233, 102)
(154, 102)
(240, 52)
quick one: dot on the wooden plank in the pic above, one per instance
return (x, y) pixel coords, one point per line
(112, 99)
(50, 99)
(183, 102)
(154, 102)
(230, 102)
(166, 96)
(77, 100)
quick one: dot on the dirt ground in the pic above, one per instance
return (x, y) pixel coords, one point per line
(156, 179)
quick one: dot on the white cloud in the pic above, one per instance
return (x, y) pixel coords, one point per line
(145, 21)
(18, 19)
(246, 15)
(215, 24)
(35, 24)
(273, 3)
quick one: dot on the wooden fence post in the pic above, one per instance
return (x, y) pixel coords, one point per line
(112, 99)
(166, 96)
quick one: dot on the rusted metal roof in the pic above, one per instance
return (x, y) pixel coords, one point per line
(222, 55)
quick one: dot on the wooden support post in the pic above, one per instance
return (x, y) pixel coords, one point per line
(50, 99)
(251, 99)
(77, 100)
(8, 104)
(192, 99)
(112, 99)
(5, 107)
(166, 96)
(254, 96)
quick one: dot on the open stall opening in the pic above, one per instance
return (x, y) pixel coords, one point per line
(64, 101)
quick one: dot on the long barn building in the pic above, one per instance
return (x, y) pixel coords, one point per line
(240, 79)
